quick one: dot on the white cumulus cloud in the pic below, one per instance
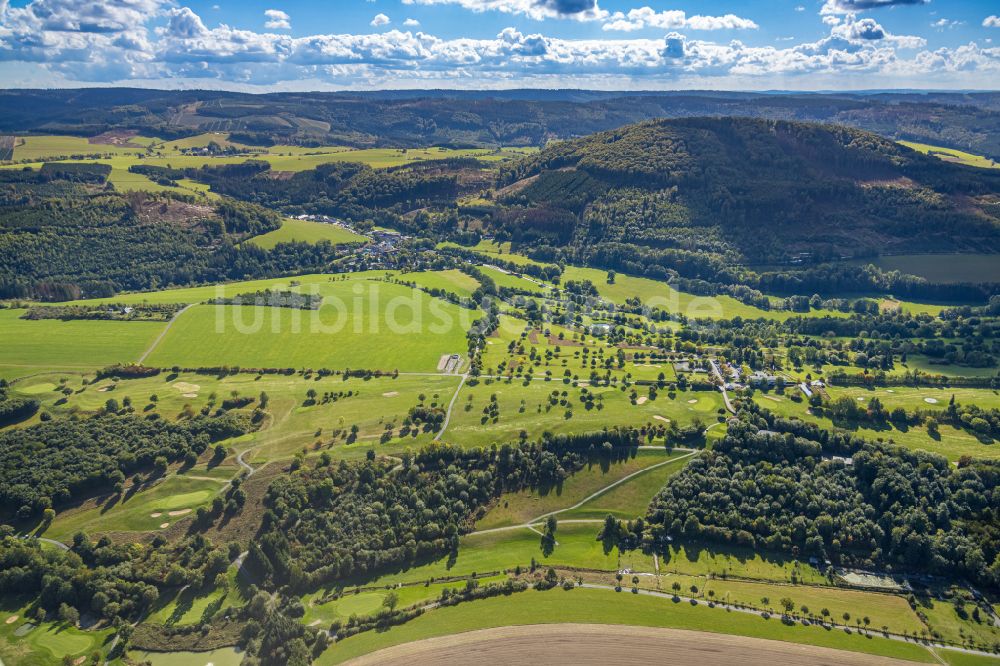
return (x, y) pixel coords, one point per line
(277, 20)
(380, 20)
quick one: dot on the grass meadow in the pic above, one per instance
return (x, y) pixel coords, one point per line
(518, 508)
(606, 607)
(306, 231)
(952, 155)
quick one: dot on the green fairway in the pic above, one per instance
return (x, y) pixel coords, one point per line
(146, 510)
(373, 325)
(51, 343)
(373, 405)
(518, 508)
(505, 279)
(305, 231)
(953, 443)
(47, 643)
(537, 414)
(606, 607)
(952, 155)
(220, 657)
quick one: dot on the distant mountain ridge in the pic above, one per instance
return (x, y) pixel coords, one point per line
(967, 121)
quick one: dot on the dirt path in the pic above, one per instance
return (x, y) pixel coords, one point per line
(163, 333)
(586, 644)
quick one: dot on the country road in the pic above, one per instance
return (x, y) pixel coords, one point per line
(722, 386)
(163, 333)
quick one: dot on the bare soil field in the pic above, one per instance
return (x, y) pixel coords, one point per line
(586, 644)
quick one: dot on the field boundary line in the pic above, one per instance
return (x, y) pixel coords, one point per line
(163, 333)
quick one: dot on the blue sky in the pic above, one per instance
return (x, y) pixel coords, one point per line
(608, 44)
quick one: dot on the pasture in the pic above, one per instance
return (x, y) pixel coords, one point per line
(32, 148)
(952, 155)
(306, 231)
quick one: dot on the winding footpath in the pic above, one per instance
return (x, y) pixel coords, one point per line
(451, 406)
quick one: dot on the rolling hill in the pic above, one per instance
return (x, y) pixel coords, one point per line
(748, 189)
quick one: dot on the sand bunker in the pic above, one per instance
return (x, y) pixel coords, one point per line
(390, 394)
(771, 397)
(189, 395)
(179, 512)
(661, 418)
(641, 401)
(164, 526)
(931, 401)
(79, 660)
(185, 387)
(155, 515)
(693, 402)
(104, 389)
(12, 619)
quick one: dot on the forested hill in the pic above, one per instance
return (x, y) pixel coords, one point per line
(751, 189)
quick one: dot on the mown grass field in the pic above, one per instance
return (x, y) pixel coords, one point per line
(654, 293)
(37, 345)
(606, 607)
(361, 324)
(504, 279)
(452, 280)
(952, 155)
(306, 231)
(518, 508)
(219, 657)
(39, 147)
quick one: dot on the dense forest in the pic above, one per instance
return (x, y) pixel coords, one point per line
(779, 485)
(56, 461)
(60, 240)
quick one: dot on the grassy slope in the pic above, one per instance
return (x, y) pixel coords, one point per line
(517, 508)
(305, 231)
(952, 155)
(630, 499)
(601, 607)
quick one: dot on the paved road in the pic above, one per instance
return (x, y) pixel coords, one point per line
(722, 386)
(160, 337)
(451, 405)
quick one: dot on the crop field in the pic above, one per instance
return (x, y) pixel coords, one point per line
(305, 231)
(530, 408)
(945, 268)
(952, 155)
(527, 505)
(606, 607)
(73, 345)
(361, 324)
